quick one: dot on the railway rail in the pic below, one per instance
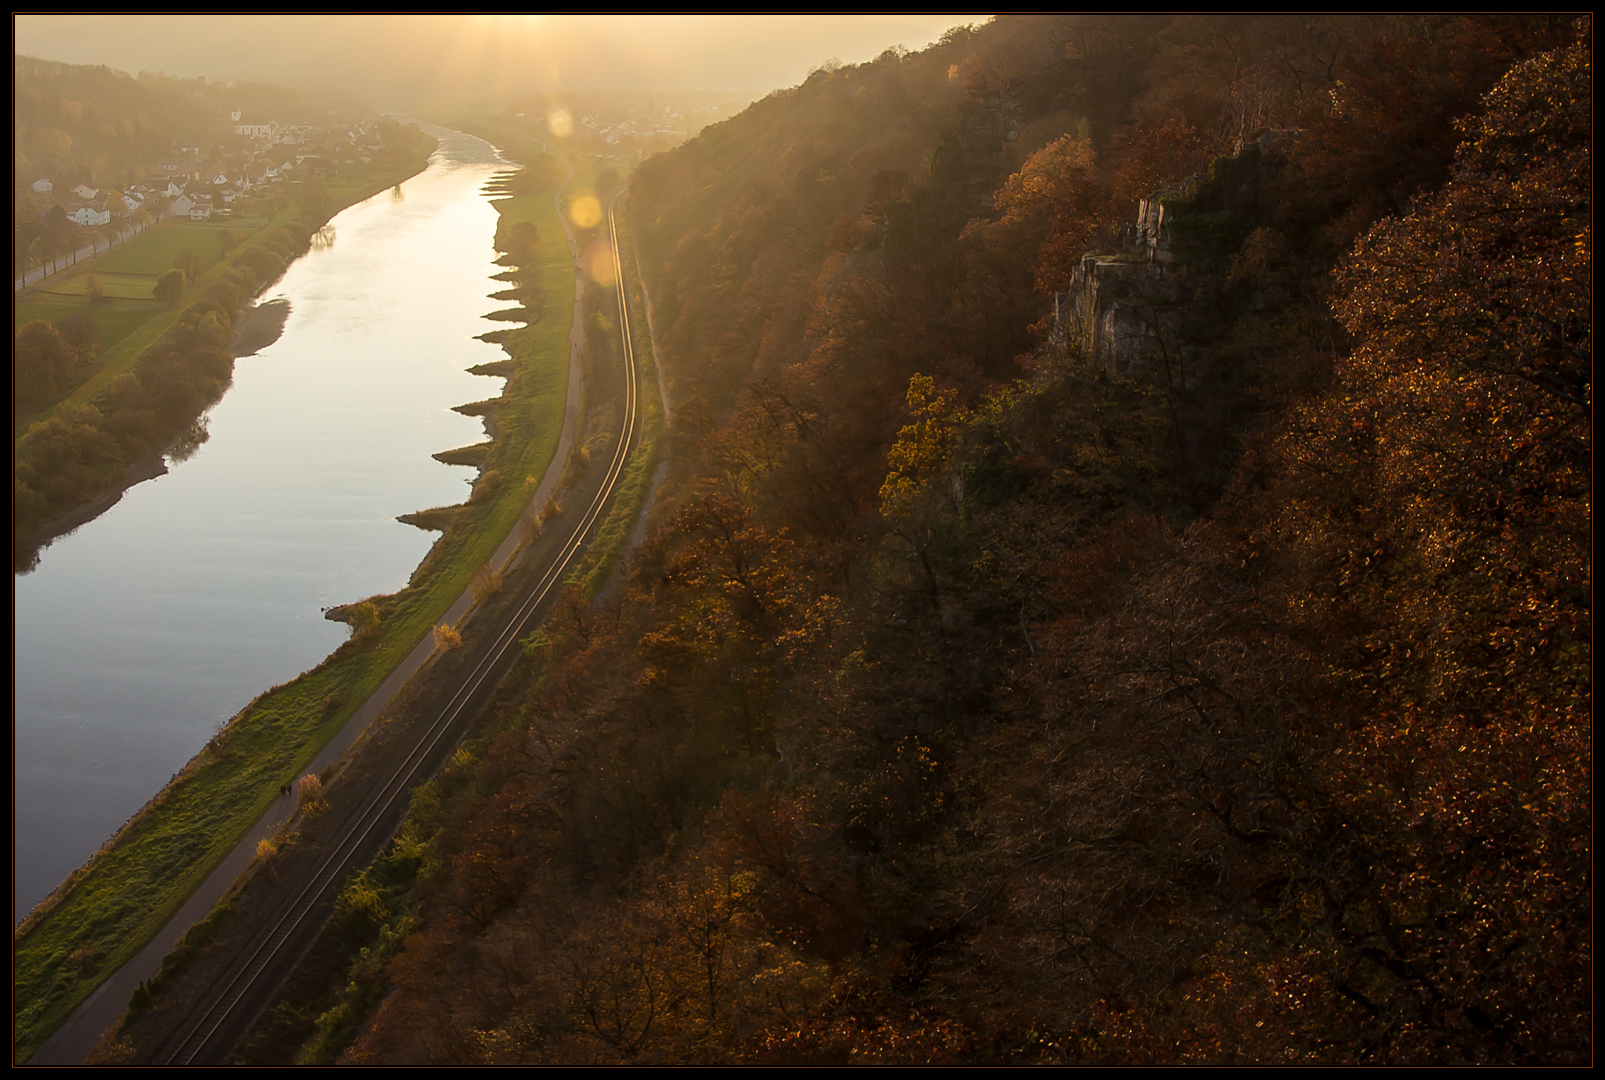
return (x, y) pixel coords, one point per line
(249, 984)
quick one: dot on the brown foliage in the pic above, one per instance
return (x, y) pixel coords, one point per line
(1052, 760)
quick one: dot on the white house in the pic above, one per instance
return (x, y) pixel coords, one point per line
(43, 185)
(88, 215)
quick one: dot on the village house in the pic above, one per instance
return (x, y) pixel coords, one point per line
(86, 215)
(269, 131)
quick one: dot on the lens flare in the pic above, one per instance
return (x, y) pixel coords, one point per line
(599, 264)
(560, 122)
(585, 211)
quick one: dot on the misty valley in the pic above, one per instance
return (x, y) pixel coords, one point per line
(582, 540)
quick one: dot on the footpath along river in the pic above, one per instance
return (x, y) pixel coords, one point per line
(142, 632)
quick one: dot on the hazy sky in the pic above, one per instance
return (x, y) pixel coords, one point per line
(396, 60)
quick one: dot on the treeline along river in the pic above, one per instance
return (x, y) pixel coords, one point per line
(141, 633)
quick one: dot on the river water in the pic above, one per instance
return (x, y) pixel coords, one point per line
(147, 628)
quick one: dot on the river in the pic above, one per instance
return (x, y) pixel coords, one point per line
(142, 632)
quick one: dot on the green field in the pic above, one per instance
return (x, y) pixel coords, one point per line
(155, 251)
(74, 289)
(123, 896)
(133, 320)
(114, 321)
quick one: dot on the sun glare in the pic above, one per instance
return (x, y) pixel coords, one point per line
(585, 211)
(599, 264)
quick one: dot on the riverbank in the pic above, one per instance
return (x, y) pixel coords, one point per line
(123, 896)
(109, 434)
(261, 326)
(258, 327)
(189, 972)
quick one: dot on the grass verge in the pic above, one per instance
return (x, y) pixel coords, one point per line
(629, 499)
(323, 1005)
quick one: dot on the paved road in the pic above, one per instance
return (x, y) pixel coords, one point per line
(66, 262)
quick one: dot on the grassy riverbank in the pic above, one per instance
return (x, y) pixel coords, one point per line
(111, 907)
(129, 320)
(326, 1000)
(93, 421)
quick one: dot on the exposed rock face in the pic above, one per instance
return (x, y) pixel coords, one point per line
(1123, 310)
(1109, 309)
(1101, 311)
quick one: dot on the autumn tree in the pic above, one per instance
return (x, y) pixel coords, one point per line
(1053, 208)
(1150, 154)
(1401, 87)
(747, 606)
(170, 285)
(189, 262)
(1468, 404)
(947, 715)
(518, 240)
(1439, 505)
(42, 360)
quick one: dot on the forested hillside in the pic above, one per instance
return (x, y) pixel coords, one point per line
(984, 693)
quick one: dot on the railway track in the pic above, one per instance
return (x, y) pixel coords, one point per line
(244, 991)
